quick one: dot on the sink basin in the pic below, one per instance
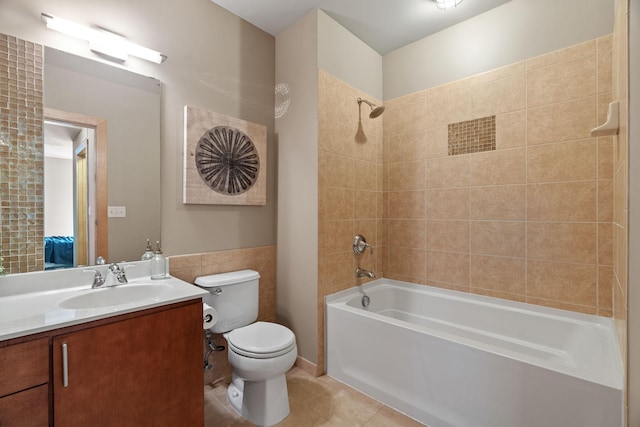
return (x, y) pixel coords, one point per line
(115, 295)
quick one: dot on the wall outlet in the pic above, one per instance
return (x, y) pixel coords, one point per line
(116, 211)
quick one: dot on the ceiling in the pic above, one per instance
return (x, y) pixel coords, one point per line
(384, 25)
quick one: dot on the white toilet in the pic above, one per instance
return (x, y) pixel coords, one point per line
(260, 353)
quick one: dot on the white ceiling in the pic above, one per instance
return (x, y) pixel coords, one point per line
(384, 25)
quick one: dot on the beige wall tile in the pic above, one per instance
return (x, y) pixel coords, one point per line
(436, 142)
(335, 138)
(335, 170)
(407, 262)
(185, 261)
(604, 71)
(333, 270)
(448, 203)
(605, 158)
(562, 55)
(338, 236)
(567, 242)
(223, 261)
(565, 201)
(498, 238)
(498, 167)
(447, 172)
(365, 146)
(447, 235)
(605, 43)
(498, 97)
(605, 243)
(605, 288)
(504, 202)
(511, 130)
(571, 283)
(568, 161)
(407, 204)
(562, 82)
(368, 228)
(337, 203)
(407, 233)
(446, 104)
(365, 204)
(406, 176)
(564, 121)
(405, 119)
(365, 175)
(448, 267)
(405, 147)
(605, 200)
(498, 274)
(602, 106)
(188, 274)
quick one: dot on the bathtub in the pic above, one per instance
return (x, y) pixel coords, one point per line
(452, 359)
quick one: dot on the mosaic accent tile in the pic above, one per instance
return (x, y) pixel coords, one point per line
(21, 155)
(472, 136)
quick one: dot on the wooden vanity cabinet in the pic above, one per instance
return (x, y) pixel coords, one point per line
(24, 378)
(141, 371)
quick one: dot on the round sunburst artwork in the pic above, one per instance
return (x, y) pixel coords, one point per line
(227, 160)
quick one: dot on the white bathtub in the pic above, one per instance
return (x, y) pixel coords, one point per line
(454, 359)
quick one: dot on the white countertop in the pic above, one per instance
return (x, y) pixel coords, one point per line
(37, 308)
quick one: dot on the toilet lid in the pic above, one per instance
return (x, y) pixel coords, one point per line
(261, 338)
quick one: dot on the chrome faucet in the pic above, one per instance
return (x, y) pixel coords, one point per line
(365, 273)
(98, 279)
(118, 273)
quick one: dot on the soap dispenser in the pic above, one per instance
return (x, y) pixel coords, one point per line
(148, 253)
(158, 264)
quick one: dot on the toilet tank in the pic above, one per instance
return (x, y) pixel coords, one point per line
(234, 296)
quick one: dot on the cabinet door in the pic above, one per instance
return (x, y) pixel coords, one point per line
(144, 371)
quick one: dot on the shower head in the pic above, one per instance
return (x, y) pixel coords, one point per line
(375, 111)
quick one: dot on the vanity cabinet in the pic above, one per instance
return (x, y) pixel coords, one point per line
(24, 389)
(144, 370)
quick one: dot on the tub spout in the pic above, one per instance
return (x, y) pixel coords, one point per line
(365, 273)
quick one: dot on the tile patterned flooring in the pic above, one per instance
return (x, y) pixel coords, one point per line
(320, 401)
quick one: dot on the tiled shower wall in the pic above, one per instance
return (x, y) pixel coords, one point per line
(530, 220)
(349, 189)
(21, 155)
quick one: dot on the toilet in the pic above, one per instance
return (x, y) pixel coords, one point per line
(260, 353)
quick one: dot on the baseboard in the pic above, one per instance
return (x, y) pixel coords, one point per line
(309, 367)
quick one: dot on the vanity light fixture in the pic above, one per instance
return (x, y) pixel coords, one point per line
(102, 41)
(447, 4)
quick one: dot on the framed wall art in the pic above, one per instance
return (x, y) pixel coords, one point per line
(225, 159)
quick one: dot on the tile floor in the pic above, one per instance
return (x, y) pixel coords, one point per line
(320, 401)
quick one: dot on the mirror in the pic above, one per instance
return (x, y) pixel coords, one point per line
(128, 105)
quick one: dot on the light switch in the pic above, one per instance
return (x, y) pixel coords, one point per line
(116, 211)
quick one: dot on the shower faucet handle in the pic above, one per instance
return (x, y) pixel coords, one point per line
(360, 245)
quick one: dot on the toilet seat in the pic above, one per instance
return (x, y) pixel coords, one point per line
(261, 340)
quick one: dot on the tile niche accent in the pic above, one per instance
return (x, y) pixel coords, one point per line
(472, 136)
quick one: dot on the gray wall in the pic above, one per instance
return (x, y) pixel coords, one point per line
(348, 58)
(515, 31)
(217, 62)
(297, 134)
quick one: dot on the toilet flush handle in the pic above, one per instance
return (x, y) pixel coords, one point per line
(217, 291)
